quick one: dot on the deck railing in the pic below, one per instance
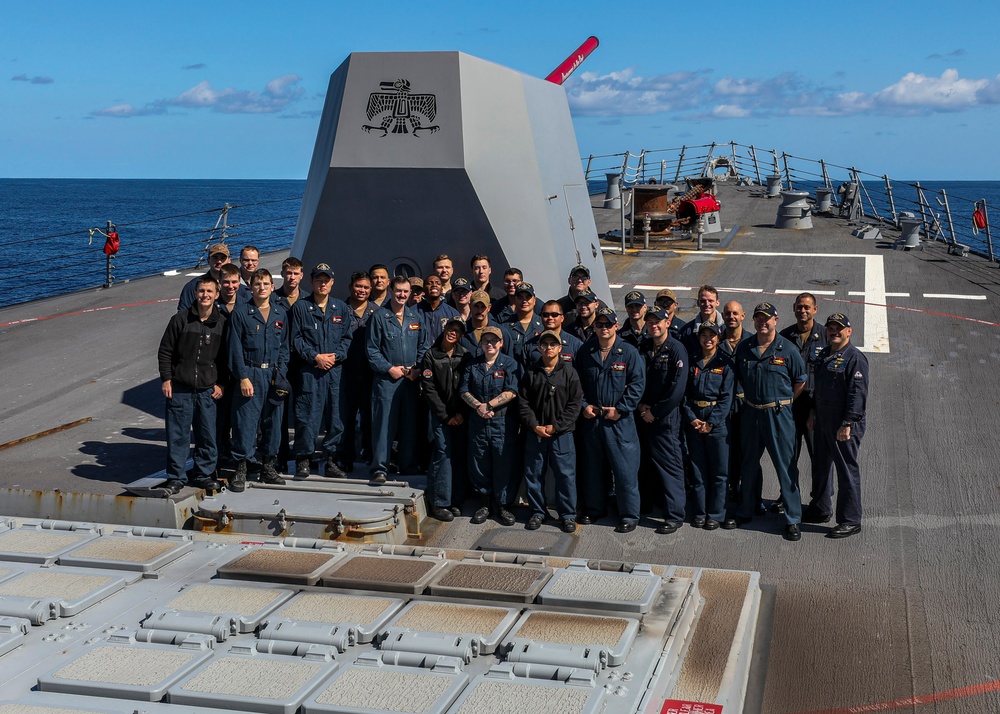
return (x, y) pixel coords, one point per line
(879, 199)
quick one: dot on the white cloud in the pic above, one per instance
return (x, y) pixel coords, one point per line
(277, 94)
(622, 93)
(625, 93)
(919, 92)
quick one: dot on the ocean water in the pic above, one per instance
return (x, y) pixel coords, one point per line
(46, 248)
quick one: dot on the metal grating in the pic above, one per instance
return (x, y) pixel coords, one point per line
(452, 619)
(245, 601)
(594, 585)
(383, 572)
(385, 691)
(568, 629)
(517, 698)
(381, 569)
(248, 677)
(284, 565)
(130, 666)
(320, 607)
(133, 550)
(512, 583)
(65, 586)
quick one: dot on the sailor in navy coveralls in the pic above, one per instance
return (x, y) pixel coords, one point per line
(396, 345)
(321, 337)
(258, 355)
(773, 374)
(613, 380)
(841, 382)
(707, 403)
(666, 379)
(489, 385)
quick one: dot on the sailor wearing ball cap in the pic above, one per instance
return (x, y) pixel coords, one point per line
(321, 337)
(613, 380)
(634, 328)
(841, 389)
(773, 373)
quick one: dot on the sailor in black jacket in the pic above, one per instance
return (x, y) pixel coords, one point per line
(192, 364)
(440, 377)
(551, 399)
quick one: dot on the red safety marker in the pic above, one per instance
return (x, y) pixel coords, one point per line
(678, 706)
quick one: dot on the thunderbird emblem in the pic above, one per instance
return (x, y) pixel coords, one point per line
(400, 110)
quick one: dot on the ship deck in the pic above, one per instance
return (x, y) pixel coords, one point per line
(903, 616)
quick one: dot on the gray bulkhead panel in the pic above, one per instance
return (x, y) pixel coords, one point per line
(440, 152)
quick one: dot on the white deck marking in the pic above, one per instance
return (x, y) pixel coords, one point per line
(946, 296)
(740, 290)
(192, 275)
(797, 292)
(860, 293)
(876, 313)
(616, 286)
(661, 287)
(171, 273)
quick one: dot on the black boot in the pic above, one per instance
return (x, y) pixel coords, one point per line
(238, 483)
(269, 474)
(333, 469)
(302, 467)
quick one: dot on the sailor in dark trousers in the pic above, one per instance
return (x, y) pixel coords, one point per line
(192, 364)
(396, 345)
(440, 378)
(773, 373)
(550, 402)
(356, 386)
(286, 296)
(707, 403)
(258, 357)
(321, 338)
(666, 362)
(489, 385)
(613, 379)
(810, 337)
(841, 382)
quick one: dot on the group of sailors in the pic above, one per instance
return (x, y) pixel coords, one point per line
(492, 389)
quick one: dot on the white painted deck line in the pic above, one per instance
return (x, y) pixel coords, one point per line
(946, 296)
(616, 286)
(859, 293)
(797, 292)
(740, 290)
(661, 287)
(876, 314)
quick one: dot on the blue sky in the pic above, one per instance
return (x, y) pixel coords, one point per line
(209, 89)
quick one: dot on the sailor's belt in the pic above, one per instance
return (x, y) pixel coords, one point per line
(740, 395)
(704, 404)
(259, 365)
(769, 405)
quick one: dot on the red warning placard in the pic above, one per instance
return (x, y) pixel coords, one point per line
(676, 706)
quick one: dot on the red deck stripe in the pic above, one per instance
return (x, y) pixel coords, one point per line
(916, 700)
(84, 312)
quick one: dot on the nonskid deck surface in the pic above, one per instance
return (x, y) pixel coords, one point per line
(908, 608)
(96, 617)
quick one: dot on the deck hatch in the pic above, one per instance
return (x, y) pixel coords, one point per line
(326, 618)
(580, 587)
(371, 689)
(383, 573)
